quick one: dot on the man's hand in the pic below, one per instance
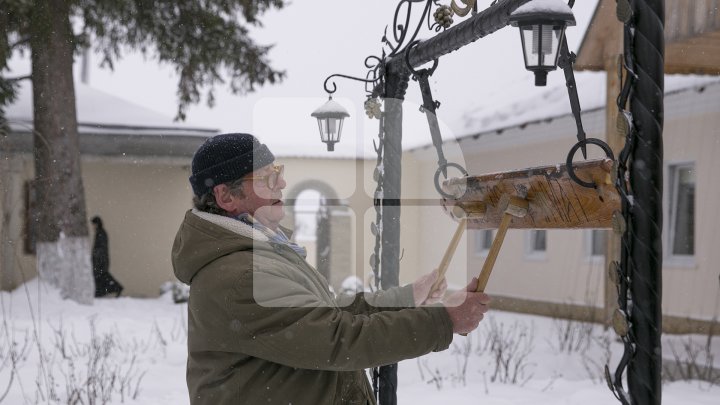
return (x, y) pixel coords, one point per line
(422, 286)
(466, 308)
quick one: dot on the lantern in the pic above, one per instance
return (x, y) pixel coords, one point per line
(542, 26)
(330, 118)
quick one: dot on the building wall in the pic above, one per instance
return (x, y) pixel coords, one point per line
(142, 202)
(691, 135)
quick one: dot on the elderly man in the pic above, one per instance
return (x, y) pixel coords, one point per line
(263, 326)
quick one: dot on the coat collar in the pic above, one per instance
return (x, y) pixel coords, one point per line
(232, 225)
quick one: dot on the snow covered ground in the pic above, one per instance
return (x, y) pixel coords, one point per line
(137, 347)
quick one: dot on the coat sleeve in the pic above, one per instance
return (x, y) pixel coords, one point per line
(393, 299)
(296, 328)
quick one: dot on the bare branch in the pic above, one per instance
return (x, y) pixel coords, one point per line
(17, 79)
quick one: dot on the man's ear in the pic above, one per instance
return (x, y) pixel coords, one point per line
(223, 197)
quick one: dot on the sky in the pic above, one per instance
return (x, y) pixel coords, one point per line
(314, 39)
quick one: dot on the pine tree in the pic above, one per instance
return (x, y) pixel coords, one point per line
(206, 41)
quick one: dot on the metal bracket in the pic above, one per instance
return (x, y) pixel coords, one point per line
(566, 61)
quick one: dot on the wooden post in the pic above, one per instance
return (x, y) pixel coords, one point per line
(612, 50)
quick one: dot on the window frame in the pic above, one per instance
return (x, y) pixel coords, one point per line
(670, 211)
(589, 256)
(478, 250)
(531, 253)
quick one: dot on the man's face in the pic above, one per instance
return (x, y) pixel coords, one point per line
(261, 201)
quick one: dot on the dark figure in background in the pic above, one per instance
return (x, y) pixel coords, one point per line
(105, 283)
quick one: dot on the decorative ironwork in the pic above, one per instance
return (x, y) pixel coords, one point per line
(470, 5)
(373, 107)
(638, 274)
(443, 16)
(400, 30)
(334, 86)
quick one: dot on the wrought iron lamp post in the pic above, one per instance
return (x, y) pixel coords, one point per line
(542, 26)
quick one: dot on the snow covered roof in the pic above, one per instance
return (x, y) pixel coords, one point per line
(133, 129)
(511, 110)
(102, 113)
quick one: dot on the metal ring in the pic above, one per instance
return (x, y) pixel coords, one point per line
(574, 149)
(409, 66)
(437, 178)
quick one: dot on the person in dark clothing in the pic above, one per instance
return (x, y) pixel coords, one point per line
(105, 283)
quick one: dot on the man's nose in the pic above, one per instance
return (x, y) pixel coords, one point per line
(281, 184)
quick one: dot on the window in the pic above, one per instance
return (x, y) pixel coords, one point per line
(536, 244)
(483, 241)
(596, 243)
(681, 239)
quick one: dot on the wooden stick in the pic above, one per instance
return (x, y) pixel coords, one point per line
(445, 263)
(493, 253)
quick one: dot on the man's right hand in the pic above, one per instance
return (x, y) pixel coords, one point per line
(466, 308)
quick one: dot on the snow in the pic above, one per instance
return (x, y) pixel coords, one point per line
(100, 112)
(506, 108)
(543, 6)
(331, 108)
(147, 347)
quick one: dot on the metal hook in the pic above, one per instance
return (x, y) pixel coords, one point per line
(574, 149)
(416, 73)
(334, 87)
(437, 178)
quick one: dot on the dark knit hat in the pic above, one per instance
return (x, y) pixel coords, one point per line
(225, 158)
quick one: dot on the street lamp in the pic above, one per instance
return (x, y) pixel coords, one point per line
(542, 26)
(330, 118)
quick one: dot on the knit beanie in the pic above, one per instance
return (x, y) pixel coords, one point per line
(225, 158)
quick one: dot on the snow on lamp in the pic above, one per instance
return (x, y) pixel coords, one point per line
(542, 26)
(330, 118)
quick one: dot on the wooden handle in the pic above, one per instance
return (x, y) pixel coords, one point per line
(493, 253)
(445, 262)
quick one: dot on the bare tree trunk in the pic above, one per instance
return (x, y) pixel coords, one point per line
(63, 250)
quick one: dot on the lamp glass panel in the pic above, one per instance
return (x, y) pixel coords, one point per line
(321, 128)
(529, 45)
(339, 131)
(541, 44)
(550, 38)
(330, 129)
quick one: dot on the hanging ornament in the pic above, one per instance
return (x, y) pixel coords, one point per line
(373, 108)
(443, 16)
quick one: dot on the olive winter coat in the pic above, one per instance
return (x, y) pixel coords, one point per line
(263, 328)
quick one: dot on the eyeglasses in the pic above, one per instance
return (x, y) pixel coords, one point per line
(271, 179)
